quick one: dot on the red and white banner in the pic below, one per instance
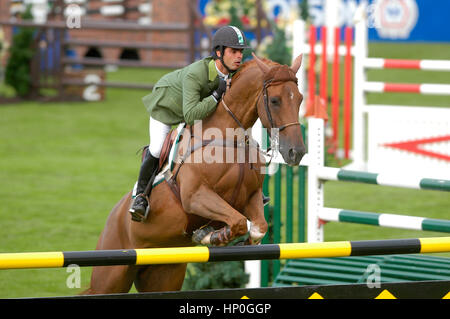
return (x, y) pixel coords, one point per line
(409, 138)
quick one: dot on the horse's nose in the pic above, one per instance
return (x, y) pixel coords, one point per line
(296, 154)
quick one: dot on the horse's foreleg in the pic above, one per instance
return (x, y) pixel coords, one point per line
(160, 278)
(254, 211)
(111, 279)
(206, 203)
(114, 279)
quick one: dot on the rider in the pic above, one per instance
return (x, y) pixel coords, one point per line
(185, 95)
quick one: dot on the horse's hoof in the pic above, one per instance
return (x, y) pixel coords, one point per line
(256, 235)
(209, 236)
(200, 236)
(221, 237)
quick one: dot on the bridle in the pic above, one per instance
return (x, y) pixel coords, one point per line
(265, 96)
(267, 83)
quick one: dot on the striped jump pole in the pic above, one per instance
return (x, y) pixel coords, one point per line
(347, 91)
(384, 220)
(176, 255)
(425, 88)
(335, 87)
(429, 65)
(384, 179)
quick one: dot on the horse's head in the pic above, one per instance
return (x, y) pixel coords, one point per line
(278, 108)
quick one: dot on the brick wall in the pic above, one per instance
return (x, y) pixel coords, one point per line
(162, 11)
(172, 11)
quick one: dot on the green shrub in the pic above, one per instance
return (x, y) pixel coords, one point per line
(215, 275)
(18, 72)
(278, 49)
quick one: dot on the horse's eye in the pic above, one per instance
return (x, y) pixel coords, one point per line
(275, 101)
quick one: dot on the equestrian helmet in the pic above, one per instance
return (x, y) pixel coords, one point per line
(229, 36)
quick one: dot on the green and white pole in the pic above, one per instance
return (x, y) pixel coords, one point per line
(384, 220)
(406, 180)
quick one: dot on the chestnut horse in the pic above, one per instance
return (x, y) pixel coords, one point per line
(217, 198)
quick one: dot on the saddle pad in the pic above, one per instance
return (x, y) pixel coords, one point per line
(170, 160)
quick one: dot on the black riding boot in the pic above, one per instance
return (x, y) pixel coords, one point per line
(140, 204)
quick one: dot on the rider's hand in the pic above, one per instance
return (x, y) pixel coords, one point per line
(217, 93)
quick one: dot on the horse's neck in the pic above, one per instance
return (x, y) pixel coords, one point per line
(241, 100)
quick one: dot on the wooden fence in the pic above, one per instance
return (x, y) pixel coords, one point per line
(52, 68)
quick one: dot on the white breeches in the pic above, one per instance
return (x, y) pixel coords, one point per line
(158, 133)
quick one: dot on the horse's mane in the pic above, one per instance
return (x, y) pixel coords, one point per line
(251, 64)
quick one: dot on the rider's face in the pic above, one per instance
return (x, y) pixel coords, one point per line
(233, 58)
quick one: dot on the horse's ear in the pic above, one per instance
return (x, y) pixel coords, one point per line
(297, 63)
(264, 67)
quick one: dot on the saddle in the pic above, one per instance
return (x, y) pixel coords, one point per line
(167, 156)
(164, 155)
(167, 146)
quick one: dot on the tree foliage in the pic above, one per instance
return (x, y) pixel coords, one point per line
(18, 71)
(278, 49)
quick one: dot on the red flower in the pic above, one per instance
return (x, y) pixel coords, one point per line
(224, 21)
(245, 20)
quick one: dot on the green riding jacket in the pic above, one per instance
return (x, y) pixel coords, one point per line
(184, 95)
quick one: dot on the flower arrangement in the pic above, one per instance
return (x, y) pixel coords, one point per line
(217, 12)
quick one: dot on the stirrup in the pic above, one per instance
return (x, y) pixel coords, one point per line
(137, 216)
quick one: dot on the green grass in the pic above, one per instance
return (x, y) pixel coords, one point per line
(63, 166)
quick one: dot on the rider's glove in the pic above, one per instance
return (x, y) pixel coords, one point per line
(217, 93)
